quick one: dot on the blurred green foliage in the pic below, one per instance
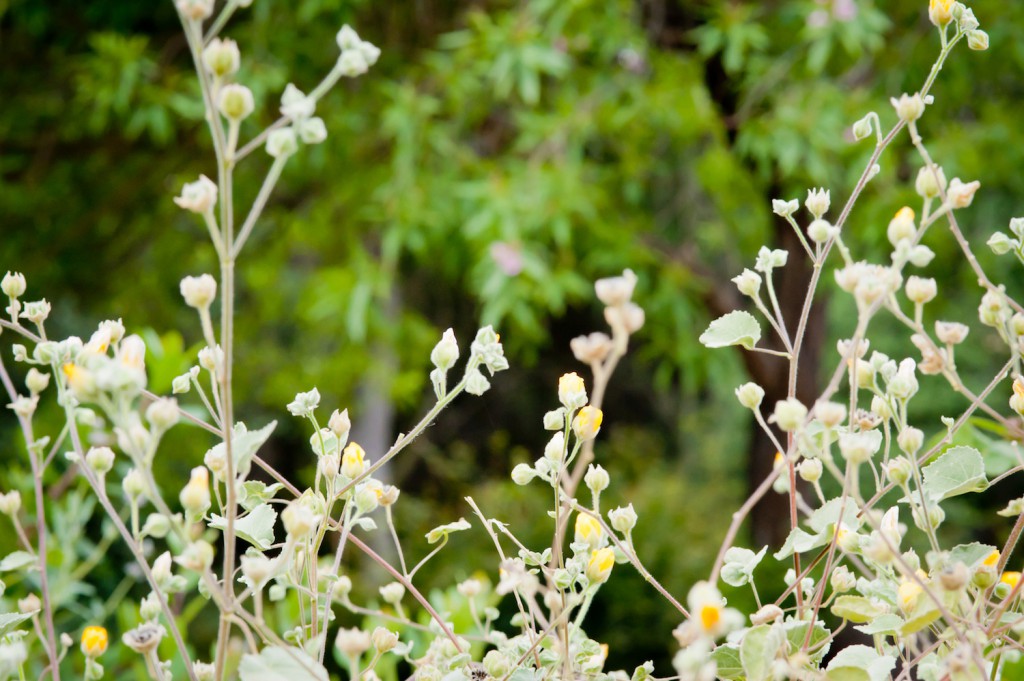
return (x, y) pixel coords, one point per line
(500, 157)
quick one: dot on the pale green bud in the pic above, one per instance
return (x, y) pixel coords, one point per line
(929, 184)
(236, 102)
(36, 381)
(10, 503)
(446, 352)
(392, 593)
(100, 459)
(623, 518)
(13, 284)
(163, 413)
(134, 484)
(898, 470)
(496, 664)
(908, 107)
(367, 498)
(157, 525)
(921, 290)
(789, 414)
(221, 57)
(282, 143)
(820, 231)
(977, 40)
(384, 639)
(748, 283)
(842, 580)
(523, 473)
(818, 201)
(910, 440)
(1001, 244)
(862, 128)
(750, 395)
(784, 208)
(555, 419)
(810, 470)
(596, 479)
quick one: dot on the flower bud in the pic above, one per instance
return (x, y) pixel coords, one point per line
(592, 348)
(748, 282)
(789, 414)
(100, 459)
(554, 420)
(353, 461)
(198, 197)
(195, 495)
(36, 311)
(862, 128)
(383, 639)
(961, 194)
(766, 614)
(820, 231)
(587, 423)
(367, 498)
(196, 10)
(29, 604)
(13, 284)
(629, 317)
(162, 573)
(1001, 244)
(596, 479)
(340, 424)
(496, 664)
(157, 525)
(588, 530)
(908, 107)
(149, 607)
(785, 208)
(623, 518)
(522, 474)
(10, 503)
(36, 381)
(616, 291)
(810, 470)
(931, 181)
(554, 450)
(329, 466)
(572, 392)
(207, 671)
(818, 201)
(831, 414)
(282, 143)
(951, 333)
(446, 352)
(221, 57)
(750, 395)
(342, 587)
(954, 577)
(898, 470)
(257, 568)
(921, 290)
(599, 567)
(902, 226)
(162, 414)
(94, 641)
(977, 40)
(299, 520)
(352, 63)
(940, 12)
(392, 593)
(134, 484)
(352, 642)
(235, 102)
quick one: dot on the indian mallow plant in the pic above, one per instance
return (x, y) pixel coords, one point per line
(864, 484)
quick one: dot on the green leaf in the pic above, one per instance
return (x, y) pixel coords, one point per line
(883, 624)
(252, 493)
(257, 527)
(796, 633)
(757, 650)
(864, 658)
(970, 554)
(9, 621)
(727, 657)
(828, 514)
(281, 664)
(735, 328)
(857, 609)
(17, 560)
(923, 614)
(958, 471)
(800, 541)
(739, 564)
(244, 444)
(439, 533)
(847, 674)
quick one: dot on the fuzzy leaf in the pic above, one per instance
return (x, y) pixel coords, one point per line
(970, 554)
(439, 533)
(9, 621)
(738, 568)
(727, 658)
(865, 658)
(757, 650)
(16, 561)
(735, 328)
(857, 609)
(257, 527)
(958, 471)
(883, 624)
(281, 664)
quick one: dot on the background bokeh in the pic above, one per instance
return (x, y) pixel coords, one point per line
(499, 158)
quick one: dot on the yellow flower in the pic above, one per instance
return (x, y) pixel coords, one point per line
(991, 559)
(905, 213)
(94, 641)
(195, 495)
(572, 392)
(710, 616)
(353, 461)
(80, 380)
(940, 12)
(908, 593)
(1010, 578)
(600, 565)
(587, 423)
(588, 529)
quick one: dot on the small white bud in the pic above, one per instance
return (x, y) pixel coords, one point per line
(977, 40)
(37, 311)
(392, 593)
(902, 227)
(748, 282)
(522, 474)
(820, 231)
(312, 130)
(162, 414)
(921, 290)
(352, 63)
(299, 520)
(196, 10)
(831, 414)
(750, 395)
(952, 333)
(784, 208)
(446, 352)
(305, 403)
(383, 639)
(910, 440)
(235, 102)
(347, 38)
(282, 143)
(29, 604)
(809, 470)
(623, 518)
(352, 642)
(961, 194)
(862, 128)
(818, 201)
(596, 479)
(221, 57)
(842, 580)
(257, 569)
(340, 424)
(295, 105)
(162, 573)
(592, 348)
(789, 414)
(614, 291)
(10, 503)
(908, 107)
(199, 196)
(36, 381)
(13, 284)
(100, 459)
(134, 484)
(931, 181)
